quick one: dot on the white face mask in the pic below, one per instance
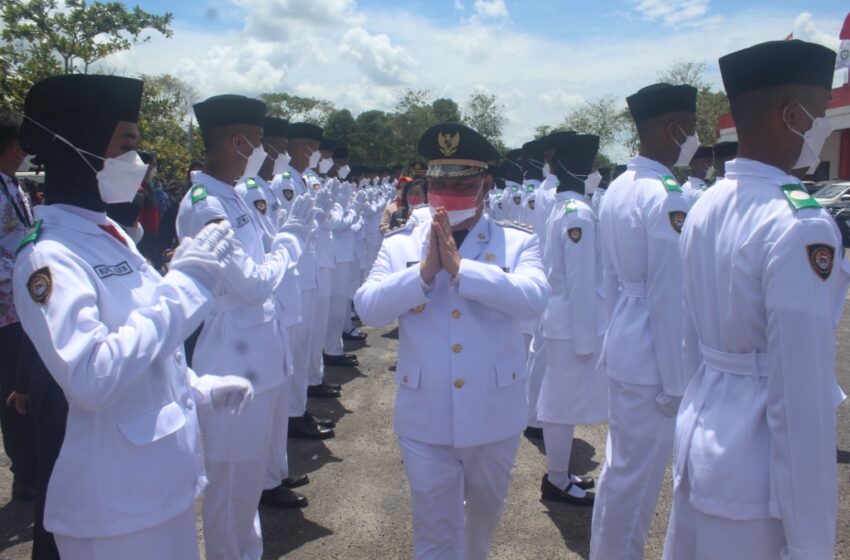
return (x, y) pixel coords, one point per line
(546, 170)
(254, 161)
(26, 163)
(343, 172)
(813, 141)
(363, 183)
(709, 173)
(314, 159)
(687, 149)
(121, 176)
(376, 181)
(135, 232)
(325, 165)
(281, 162)
(592, 183)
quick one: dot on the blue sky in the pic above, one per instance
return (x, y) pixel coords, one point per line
(541, 58)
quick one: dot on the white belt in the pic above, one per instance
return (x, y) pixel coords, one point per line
(751, 363)
(633, 289)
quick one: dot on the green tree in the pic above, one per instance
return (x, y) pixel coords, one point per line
(164, 125)
(486, 114)
(445, 111)
(375, 139)
(413, 115)
(296, 108)
(40, 38)
(340, 126)
(602, 117)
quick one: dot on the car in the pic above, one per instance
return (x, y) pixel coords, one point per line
(840, 211)
(814, 187)
(32, 176)
(837, 191)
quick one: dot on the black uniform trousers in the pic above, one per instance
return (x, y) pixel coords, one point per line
(18, 430)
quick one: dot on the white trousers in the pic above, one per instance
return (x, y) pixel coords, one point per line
(558, 439)
(457, 496)
(321, 309)
(339, 308)
(640, 442)
(536, 369)
(176, 539)
(694, 535)
(237, 450)
(302, 335)
(277, 466)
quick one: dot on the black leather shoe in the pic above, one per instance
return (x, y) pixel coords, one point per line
(533, 433)
(324, 422)
(340, 361)
(583, 482)
(334, 386)
(295, 482)
(282, 497)
(322, 391)
(351, 335)
(301, 428)
(552, 493)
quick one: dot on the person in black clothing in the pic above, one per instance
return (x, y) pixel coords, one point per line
(413, 194)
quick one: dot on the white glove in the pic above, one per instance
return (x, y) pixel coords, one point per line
(668, 405)
(346, 191)
(231, 392)
(203, 257)
(336, 188)
(299, 222)
(281, 217)
(324, 203)
(359, 202)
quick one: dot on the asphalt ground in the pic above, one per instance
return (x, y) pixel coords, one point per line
(359, 499)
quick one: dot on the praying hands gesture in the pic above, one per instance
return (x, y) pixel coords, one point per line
(442, 249)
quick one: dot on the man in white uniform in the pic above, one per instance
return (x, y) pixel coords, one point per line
(243, 335)
(459, 286)
(639, 224)
(574, 391)
(110, 330)
(755, 473)
(700, 169)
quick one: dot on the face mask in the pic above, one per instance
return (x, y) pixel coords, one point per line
(343, 172)
(458, 207)
(253, 161)
(546, 169)
(413, 200)
(363, 183)
(314, 159)
(813, 141)
(26, 164)
(135, 232)
(709, 173)
(281, 162)
(592, 183)
(687, 149)
(376, 181)
(121, 176)
(325, 165)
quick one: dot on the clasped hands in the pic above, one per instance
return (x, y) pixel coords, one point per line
(442, 250)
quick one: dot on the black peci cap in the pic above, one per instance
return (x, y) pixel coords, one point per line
(229, 109)
(418, 169)
(575, 154)
(341, 152)
(275, 127)
(454, 150)
(327, 145)
(726, 151)
(551, 140)
(82, 108)
(777, 63)
(305, 130)
(659, 99)
(704, 152)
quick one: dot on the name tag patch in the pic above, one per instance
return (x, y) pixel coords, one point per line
(107, 270)
(242, 220)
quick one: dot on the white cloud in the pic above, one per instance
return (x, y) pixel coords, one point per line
(376, 56)
(458, 5)
(490, 9)
(807, 29)
(671, 12)
(285, 19)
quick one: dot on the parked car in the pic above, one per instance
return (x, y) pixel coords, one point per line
(838, 191)
(815, 187)
(840, 211)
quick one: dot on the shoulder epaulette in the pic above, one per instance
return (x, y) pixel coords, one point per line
(798, 197)
(30, 237)
(251, 183)
(571, 206)
(515, 225)
(670, 183)
(199, 193)
(286, 175)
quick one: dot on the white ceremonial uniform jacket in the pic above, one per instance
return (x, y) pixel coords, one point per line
(639, 225)
(513, 209)
(573, 266)
(242, 336)
(764, 288)
(692, 189)
(110, 330)
(461, 365)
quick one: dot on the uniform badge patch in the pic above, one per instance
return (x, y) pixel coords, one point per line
(821, 257)
(489, 257)
(677, 220)
(107, 270)
(287, 194)
(670, 183)
(574, 234)
(448, 143)
(252, 184)
(199, 193)
(40, 285)
(260, 205)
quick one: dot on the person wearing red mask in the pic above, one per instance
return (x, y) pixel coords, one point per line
(459, 286)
